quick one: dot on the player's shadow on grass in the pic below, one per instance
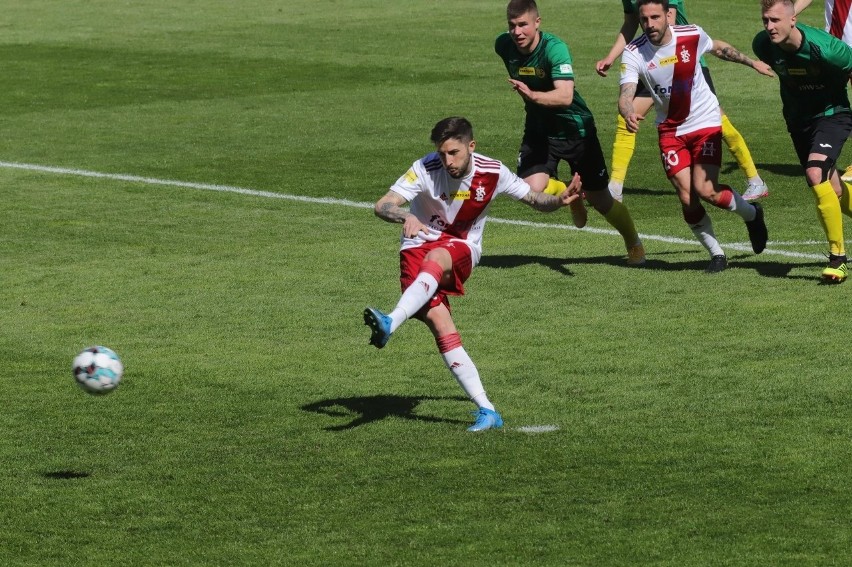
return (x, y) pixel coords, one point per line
(788, 169)
(505, 261)
(368, 409)
(65, 474)
(654, 262)
(779, 270)
(665, 189)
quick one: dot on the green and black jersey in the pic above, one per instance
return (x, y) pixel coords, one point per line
(813, 79)
(549, 61)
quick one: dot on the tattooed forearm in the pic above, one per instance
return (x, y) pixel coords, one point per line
(389, 208)
(543, 202)
(730, 53)
(625, 99)
(391, 212)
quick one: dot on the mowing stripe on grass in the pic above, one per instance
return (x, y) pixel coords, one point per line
(348, 203)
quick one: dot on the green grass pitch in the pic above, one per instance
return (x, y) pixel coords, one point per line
(687, 419)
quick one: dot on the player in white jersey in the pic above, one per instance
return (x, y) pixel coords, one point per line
(837, 17)
(450, 192)
(666, 59)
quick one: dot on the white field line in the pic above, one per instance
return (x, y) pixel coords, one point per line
(360, 205)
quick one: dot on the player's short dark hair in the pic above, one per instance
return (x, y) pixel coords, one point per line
(518, 8)
(454, 127)
(663, 3)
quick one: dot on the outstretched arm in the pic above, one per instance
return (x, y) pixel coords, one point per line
(625, 35)
(728, 52)
(800, 5)
(546, 203)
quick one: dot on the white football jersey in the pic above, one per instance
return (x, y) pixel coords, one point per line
(837, 19)
(672, 73)
(456, 209)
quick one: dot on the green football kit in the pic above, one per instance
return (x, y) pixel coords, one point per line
(813, 79)
(550, 61)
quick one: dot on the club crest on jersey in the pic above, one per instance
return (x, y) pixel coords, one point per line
(480, 193)
(684, 55)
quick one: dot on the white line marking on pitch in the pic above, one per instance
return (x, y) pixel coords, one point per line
(537, 428)
(348, 203)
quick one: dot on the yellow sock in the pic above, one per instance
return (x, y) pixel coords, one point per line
(622, 151)
(845, 205)
(828, 209)
(554, 187)
(737, 144)
(620, 219)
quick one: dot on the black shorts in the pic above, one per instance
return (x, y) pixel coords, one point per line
(642, 91)
(583, 155)
(824, 135)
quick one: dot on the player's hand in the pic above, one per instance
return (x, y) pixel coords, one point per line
(429, 234)
(763, 69)
(632, 122)
(573, 191)
(602, 66)
(413, 226)
(522, 89)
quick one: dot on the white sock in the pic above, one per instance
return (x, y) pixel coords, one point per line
(464, 370)
(616, 189)
(742, 207)
(703, 231)
(418, 294)
(756, 180)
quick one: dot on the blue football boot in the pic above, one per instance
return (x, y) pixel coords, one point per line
(486, 419)
(379, 324)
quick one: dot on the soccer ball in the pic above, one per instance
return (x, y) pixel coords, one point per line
(98, 370)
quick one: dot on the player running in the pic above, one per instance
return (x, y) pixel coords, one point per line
(450, 191)
(666, 60)
(625, 141)
(813, 68)
(559, 125)
(838, 22)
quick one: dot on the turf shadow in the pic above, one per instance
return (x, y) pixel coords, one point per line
(65, 474)
(376, 408)
(506, 261)
(656, 262)
(789, 169)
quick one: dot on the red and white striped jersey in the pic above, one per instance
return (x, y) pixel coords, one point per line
(456, 209)
(672, 73)
(837, 21)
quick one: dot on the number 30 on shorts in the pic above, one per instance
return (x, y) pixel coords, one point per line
(670, 159)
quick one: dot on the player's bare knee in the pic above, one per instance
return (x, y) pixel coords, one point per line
(819, 171)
